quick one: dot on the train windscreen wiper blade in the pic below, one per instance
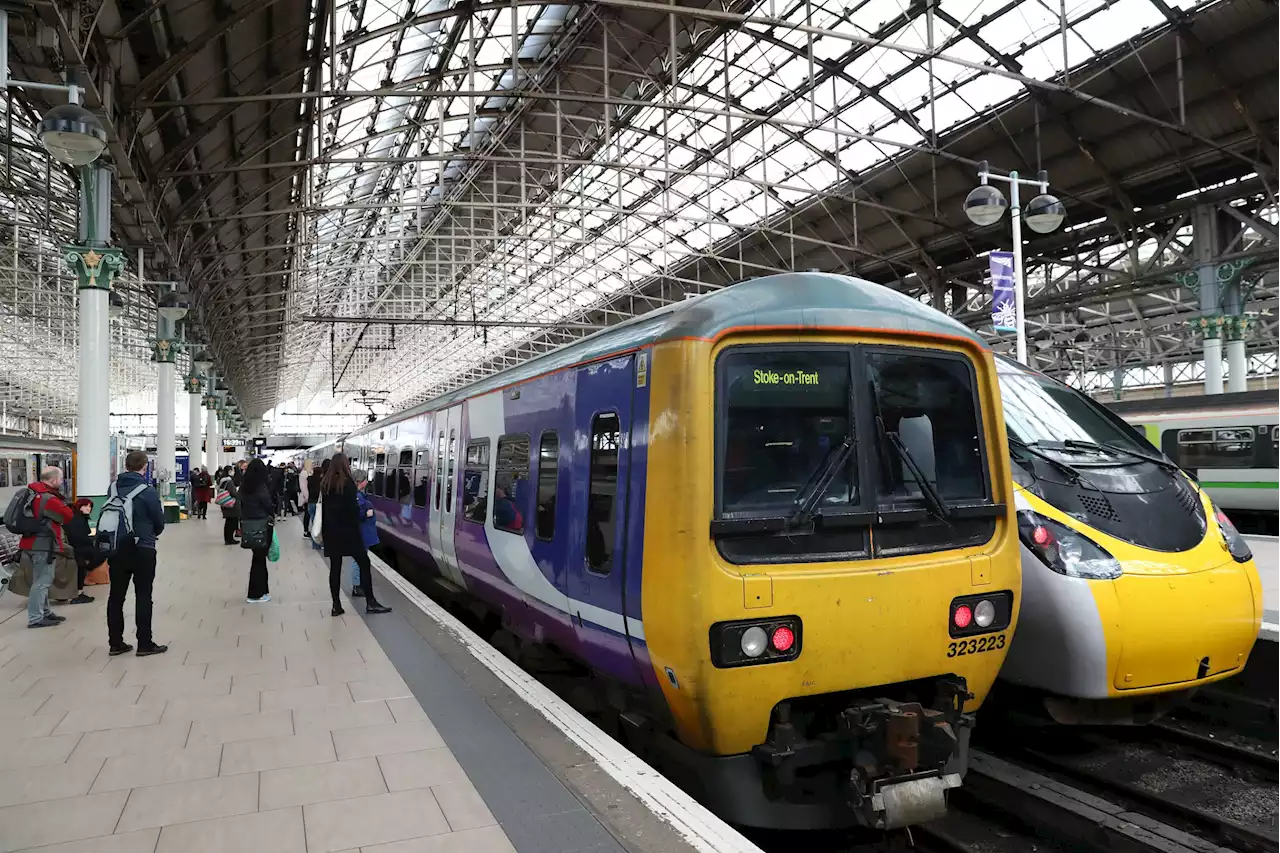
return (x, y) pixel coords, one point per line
(1111, 447)
(1065, 467)
(818, 483)
(935, 501)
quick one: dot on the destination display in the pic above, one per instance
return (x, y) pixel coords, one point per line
(790, 377)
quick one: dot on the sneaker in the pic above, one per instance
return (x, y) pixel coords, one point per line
(119, 650)
(153, 649)
(262, 600)
(54, 617)
(43, 623)
(337, 610)
(375, 607)
(357, 592)
(82, 599)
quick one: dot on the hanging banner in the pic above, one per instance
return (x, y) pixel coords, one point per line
(1004, 299)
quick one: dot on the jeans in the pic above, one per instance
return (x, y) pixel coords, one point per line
(258, 586)
(131, 563)
(366, 577)
(355, 574)
(41, 580)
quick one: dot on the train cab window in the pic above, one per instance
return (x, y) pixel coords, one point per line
(421, 485)
(439, 468)
(511, 483)
(475, 481)
(606, 437)
(453, 456)
(1223, 447)
(548, 481)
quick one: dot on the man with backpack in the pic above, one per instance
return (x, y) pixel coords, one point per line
(131, 521)
(37, 514)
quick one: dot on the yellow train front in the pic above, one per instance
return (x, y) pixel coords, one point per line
(1136, 589)
(830, 577)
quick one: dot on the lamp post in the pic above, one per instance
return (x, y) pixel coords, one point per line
(985, 205)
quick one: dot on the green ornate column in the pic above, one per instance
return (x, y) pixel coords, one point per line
(1210, 328)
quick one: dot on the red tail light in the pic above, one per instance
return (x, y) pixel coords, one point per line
(1042, 536)
(963, 616)
(783, 638)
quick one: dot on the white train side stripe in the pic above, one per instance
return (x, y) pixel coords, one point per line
(696, 825)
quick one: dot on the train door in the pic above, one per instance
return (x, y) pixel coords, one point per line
(450, 424)
(597, 552)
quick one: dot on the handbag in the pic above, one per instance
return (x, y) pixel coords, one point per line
(274, 553)
(317, 526)
(255, 533)
(224, 499)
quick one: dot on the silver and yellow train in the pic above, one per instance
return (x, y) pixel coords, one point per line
(1136, 588)
(22, 458)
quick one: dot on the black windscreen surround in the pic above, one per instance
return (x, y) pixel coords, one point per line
(1141, 503)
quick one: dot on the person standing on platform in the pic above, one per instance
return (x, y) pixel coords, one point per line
(230, 511)
(203, 485)
(257, 510)
(304, 498)
(314, 480)
(43, 547)
(81, 542)
(368, 527)
(135, 561)
(291, 489)
(275, 487)
(340, 523)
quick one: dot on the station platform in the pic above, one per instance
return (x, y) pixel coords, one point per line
(1266, 556)
(277, 727)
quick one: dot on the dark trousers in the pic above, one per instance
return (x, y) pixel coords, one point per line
(258, 573)
(83, 564)
(202, 509)
(230, 524)
(306, 518)
(366, 576)
(131, 563)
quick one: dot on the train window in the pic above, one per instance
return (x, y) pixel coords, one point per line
(601, 511)
(4, 475)
(548, 481)
(406, 457)
(18, 472)
(783, 415)
(422, 486)
(1222, 447)
(475, 481)
(511, 483)
(439, 468)
(379, 484)
(928, 401)
(420, 458)
(380, 460)
(404, 485)
(453, 456)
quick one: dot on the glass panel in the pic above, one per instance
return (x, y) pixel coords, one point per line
(475, 482)
(928, 401)
(1226, 447)
(511, 483)
(421, 488)
(406, 457)
(439, 467)
(379, 485)
(18, 472)
(453, 455)
(548, 480)
(601, 512)
(404, 485)
(784, 414)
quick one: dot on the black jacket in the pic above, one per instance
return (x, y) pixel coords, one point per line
(233, 511)
(340, 522)
(313, 488)
(78, 536)
(256, 504)
(148, 513)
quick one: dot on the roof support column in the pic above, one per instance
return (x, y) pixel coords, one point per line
(96, 265)
(212, 442)
(166, 351)
(195, 413)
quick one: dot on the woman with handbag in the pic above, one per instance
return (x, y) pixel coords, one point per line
(257, 520)
(226, 499)
(340, 534)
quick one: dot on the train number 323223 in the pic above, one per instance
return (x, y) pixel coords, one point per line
(974, 646)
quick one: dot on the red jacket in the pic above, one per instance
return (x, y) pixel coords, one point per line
(48, 505)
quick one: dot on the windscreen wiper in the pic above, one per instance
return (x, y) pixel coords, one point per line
(1120, 448)
(818, 483)
(1070, 470)
(936, 504)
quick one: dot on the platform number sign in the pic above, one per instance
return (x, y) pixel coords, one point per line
(642, 369)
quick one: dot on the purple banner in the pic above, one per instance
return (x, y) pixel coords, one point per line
(1004, 298)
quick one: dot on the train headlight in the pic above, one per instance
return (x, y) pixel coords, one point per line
(984, 614)
(1231, 538)
(1064, 550)
(755, 641)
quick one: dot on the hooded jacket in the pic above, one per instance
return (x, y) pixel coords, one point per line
(148, 514)
(48, 506)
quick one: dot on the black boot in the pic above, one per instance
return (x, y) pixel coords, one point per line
(337, 610)
(374, 607)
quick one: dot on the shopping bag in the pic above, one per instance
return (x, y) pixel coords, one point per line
(274, 553)
(20, 581)
(223, 498)
(98, 575)
(317, 526)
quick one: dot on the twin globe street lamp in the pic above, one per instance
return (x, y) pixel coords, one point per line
(985, 205)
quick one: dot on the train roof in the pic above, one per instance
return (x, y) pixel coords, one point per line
(35, 445)
(802, 300)
(1196, 403)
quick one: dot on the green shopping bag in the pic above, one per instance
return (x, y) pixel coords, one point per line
(273, 554)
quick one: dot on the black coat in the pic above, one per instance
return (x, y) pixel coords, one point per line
(340, 522)
(313, 487)
(78, 536)
(256, 504)
(233, 511)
